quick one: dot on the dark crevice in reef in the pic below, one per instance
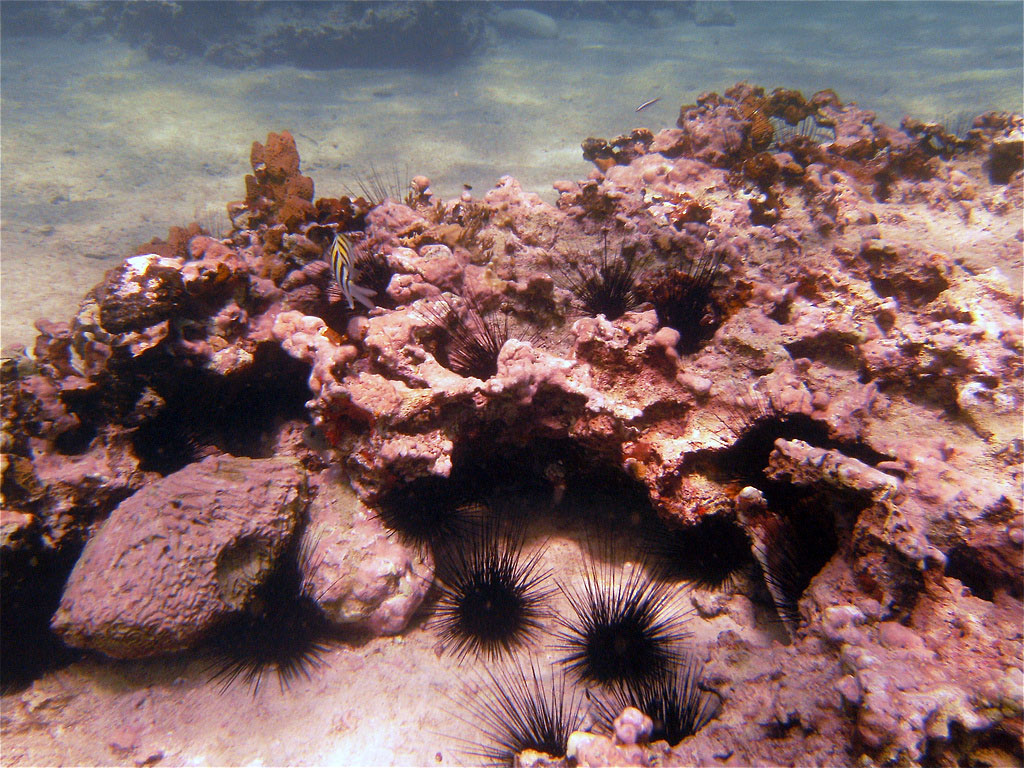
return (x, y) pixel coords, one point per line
(75, 441)
(836, 350)
(560, 477)
(515, 481)
(557, 474)
(818, 519)
(932, 392)
(963, 747)
(803, 526)
(32, 579)
(798, 533)
(962, 565)
(206, 412)
(746, 459)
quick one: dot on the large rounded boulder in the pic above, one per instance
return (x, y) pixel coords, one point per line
(174, 559)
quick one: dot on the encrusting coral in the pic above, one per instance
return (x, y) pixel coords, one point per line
(857, 287)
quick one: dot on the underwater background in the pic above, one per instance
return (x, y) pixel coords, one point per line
(122, 120)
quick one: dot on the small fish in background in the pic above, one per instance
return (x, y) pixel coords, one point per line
(646, 104)
(345, 272)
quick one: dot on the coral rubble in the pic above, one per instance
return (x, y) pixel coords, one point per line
(845, 385)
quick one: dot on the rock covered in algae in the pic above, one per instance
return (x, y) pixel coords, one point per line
(359, 575)
(179, 555)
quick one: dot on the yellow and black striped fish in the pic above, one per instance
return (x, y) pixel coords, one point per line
(345, 272)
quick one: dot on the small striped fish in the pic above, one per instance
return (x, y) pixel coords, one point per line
(345, 272)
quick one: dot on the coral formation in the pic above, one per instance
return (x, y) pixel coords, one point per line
(842, 387)
(360, 578)
(277, 192)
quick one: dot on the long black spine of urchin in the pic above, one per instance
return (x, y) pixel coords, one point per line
(378, 185)
(789, 557)
(282, 630)
(474, 344)
(469, 341)
(428, 511)
(515, 711)
(675, 701)
(625, 627)
(708, 554)
(374, 272)
(684, 300)
(492, 597)
(610, 288)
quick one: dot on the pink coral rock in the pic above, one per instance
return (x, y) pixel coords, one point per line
(360, 576)
(178, 556)
(863, 372)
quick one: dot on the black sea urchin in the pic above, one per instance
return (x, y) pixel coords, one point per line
(708, 554)
(624, 628)
(282, 629)
(791, 550)
(610, 287)
(428, 511)
(469, 342)
(491, 596)
(377, 186)
(516, 711)
(683, 300)
(674, 701)
(375, 273)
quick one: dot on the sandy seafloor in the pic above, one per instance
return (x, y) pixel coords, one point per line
(103, 149)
